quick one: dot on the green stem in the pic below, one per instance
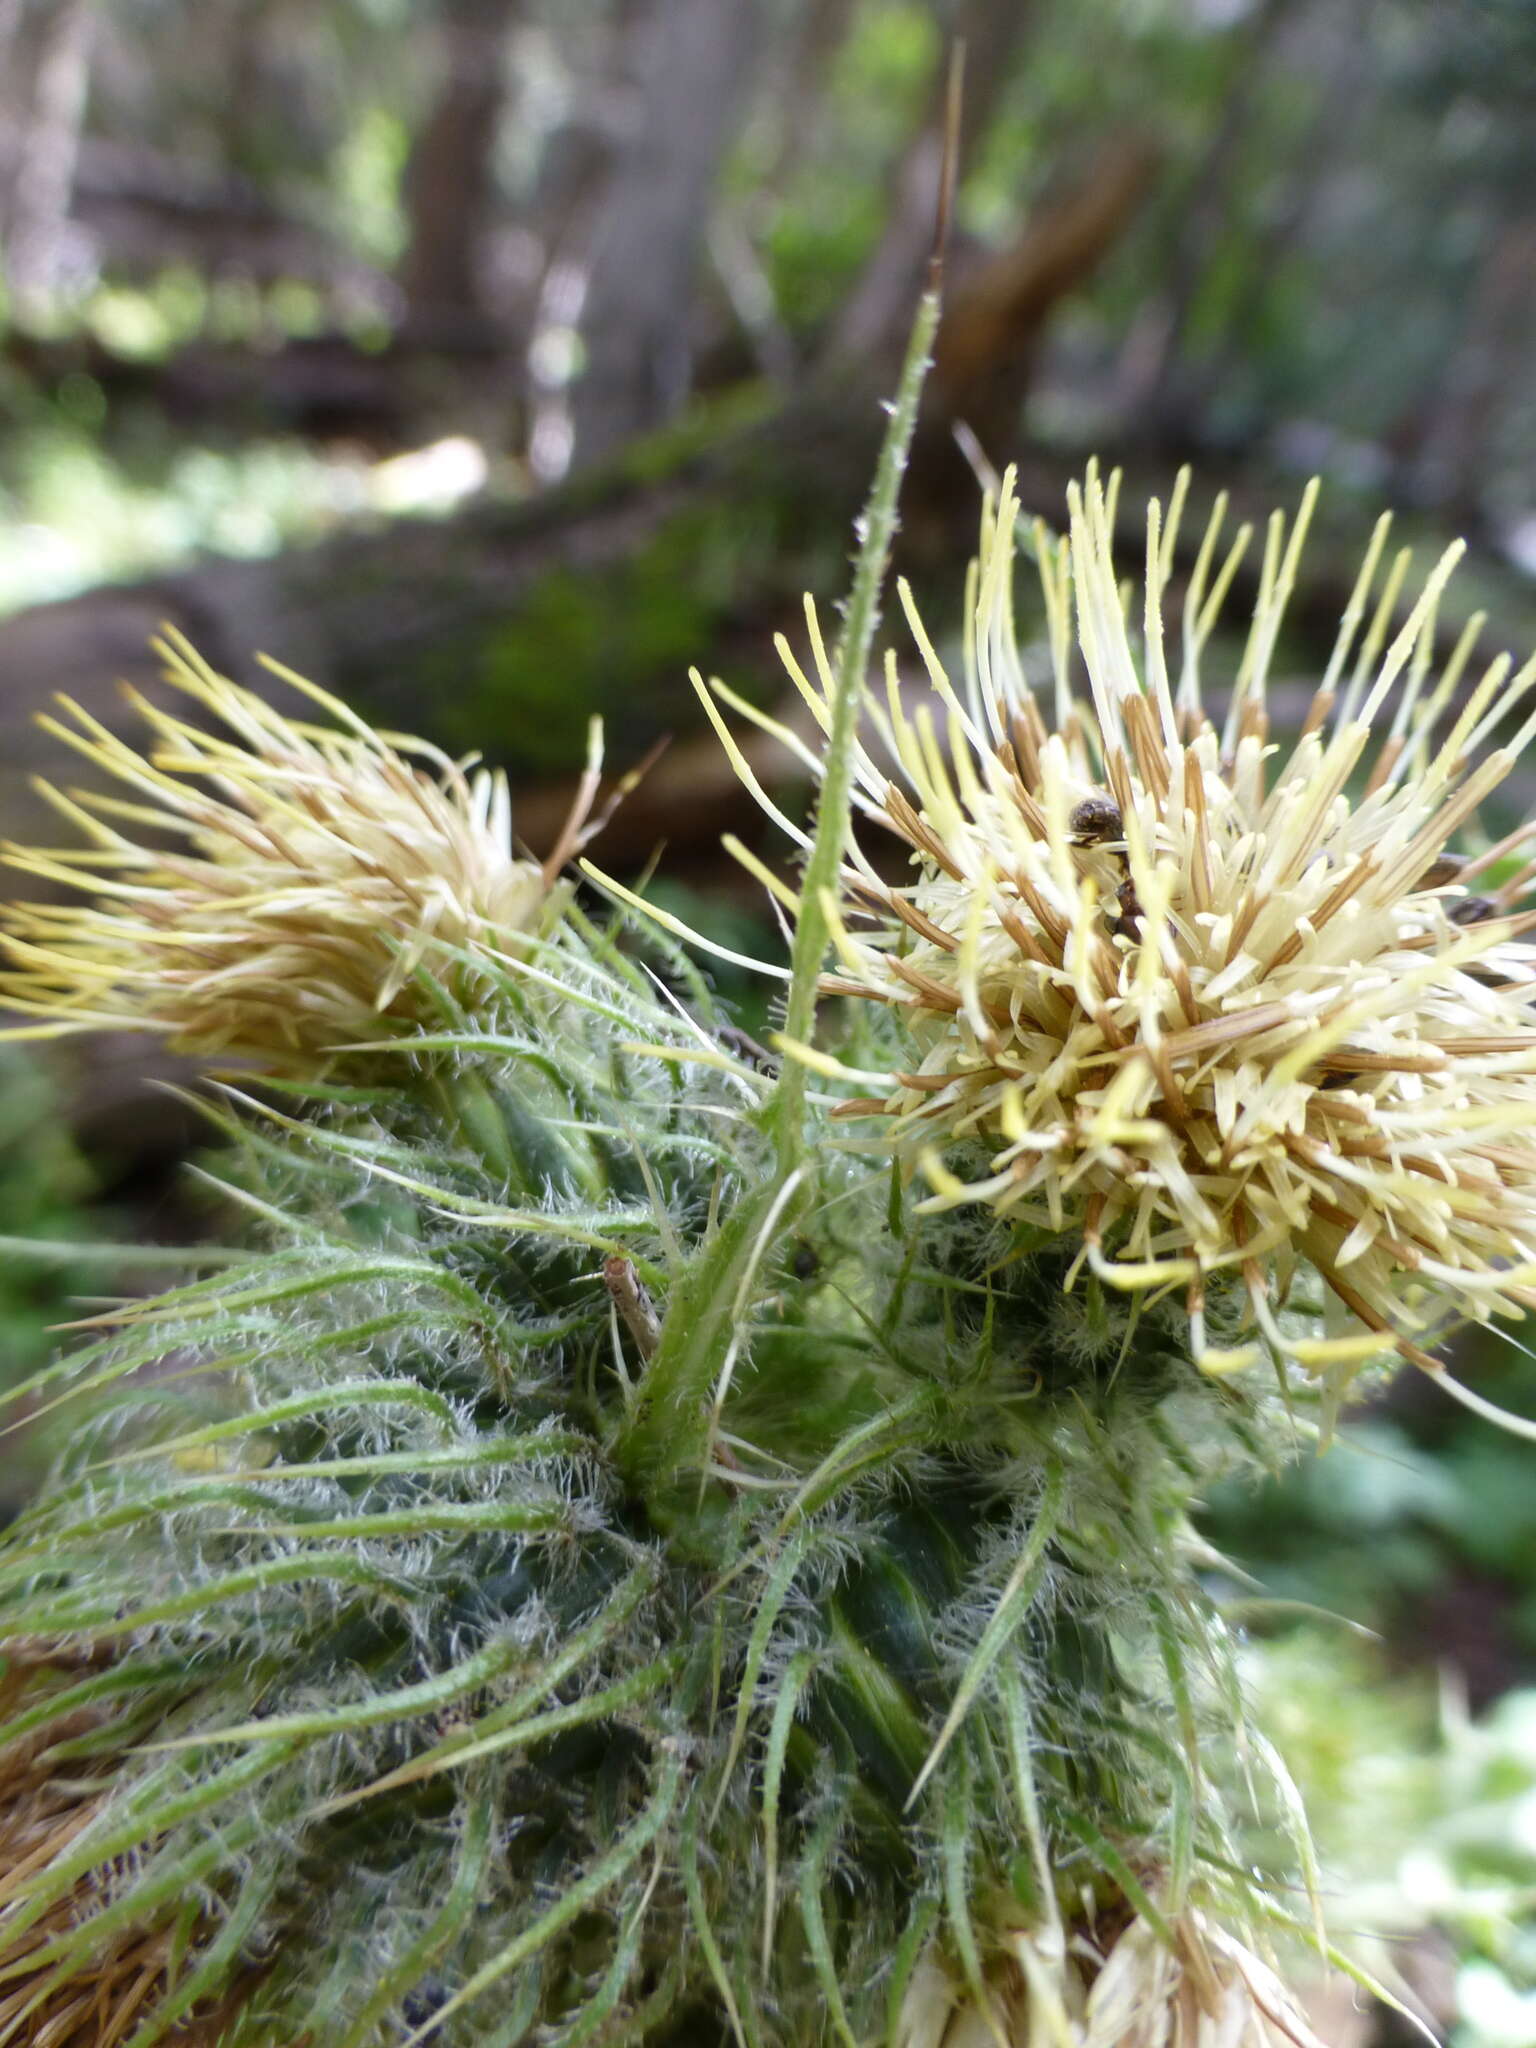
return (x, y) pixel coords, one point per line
(668, 1431)
(786, 1112)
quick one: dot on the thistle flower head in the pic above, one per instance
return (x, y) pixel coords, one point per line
(1187, 1981)
(310, 868)
(1214, 1007)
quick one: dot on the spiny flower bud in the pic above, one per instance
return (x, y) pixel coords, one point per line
(1215, 1009)
(312, 868)
(1186, 1981)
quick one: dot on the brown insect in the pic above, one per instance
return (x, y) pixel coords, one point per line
(1095, 820)
(1473, 910)
(1440, 871)
(1127, 924)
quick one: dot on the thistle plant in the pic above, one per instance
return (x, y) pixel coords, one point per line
(662, 1544)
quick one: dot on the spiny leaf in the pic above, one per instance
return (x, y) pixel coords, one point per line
(1013, 1605)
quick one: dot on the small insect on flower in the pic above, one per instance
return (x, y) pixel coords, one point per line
(1215, 1009)
(312, 868)
(1095, 820)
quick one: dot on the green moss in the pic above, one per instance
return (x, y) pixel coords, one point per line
(620, 638)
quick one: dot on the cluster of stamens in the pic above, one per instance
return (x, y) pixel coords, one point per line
(1211, 1006)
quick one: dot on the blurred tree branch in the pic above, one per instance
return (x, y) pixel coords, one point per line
(449, 186)
(993, 33)
(514, 621)
(691, 61)
(37, 225)
(1492, 356)
(1154, 384)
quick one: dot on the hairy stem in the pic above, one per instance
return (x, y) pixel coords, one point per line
(877, 529)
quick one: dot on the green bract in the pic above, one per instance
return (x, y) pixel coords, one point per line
(400, 1670)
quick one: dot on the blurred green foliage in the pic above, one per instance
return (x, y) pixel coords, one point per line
(1382, 144)
(1405, 1505)
(1418, 1527)
(1424, 1818)
(823, 211)
(45, 1193)
(73, 514)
